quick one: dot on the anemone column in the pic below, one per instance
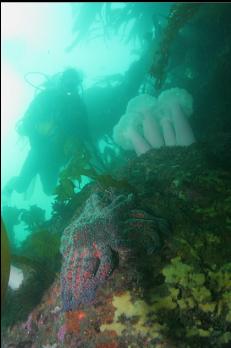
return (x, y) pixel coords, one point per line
(183, 130)
(152, 131)
(139, 143)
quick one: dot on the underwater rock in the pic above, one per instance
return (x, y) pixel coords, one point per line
(183, 293)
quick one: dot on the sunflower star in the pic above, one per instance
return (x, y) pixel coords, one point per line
(90, 242)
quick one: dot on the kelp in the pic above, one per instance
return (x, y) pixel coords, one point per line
(36, 244)
(11, 217)
(131, 22)
(33, 218)
(80, 165)
(179, 15)
(83, 21)
(5, 260)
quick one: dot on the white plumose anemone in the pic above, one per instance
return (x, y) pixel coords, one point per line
(128, 133)
(146, 105)
(152, 123)
(175, 106)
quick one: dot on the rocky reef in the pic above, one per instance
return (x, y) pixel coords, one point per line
(157, 259)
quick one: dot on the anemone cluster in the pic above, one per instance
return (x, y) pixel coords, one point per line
(151, 122)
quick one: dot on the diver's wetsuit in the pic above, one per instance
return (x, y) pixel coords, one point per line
(52, 119)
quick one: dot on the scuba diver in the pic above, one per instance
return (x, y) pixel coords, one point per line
(55, 123)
